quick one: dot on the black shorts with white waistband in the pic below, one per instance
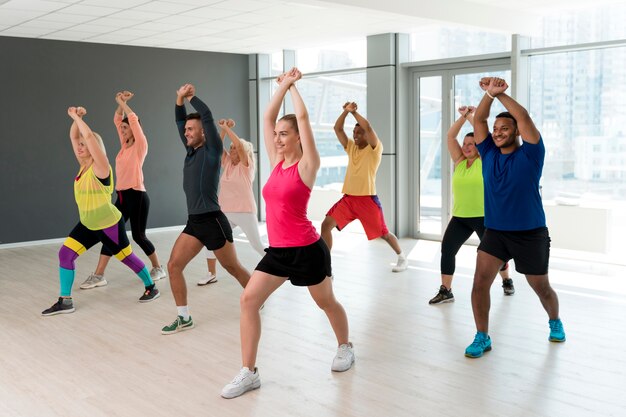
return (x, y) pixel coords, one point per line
(302, 265)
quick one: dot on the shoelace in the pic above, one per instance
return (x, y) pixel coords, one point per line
(479, 341)
(556, 326)
(240, 377)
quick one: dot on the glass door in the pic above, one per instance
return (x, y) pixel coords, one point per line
(437, 96)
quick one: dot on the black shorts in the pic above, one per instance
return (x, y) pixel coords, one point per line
(530, 249)
(302, 265)
(212, 229)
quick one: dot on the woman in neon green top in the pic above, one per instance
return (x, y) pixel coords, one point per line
(100, 221)
(468, 210)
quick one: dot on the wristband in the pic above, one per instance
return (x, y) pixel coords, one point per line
(490, 96)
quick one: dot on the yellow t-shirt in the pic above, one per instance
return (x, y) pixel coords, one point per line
(362, 166)
(94, 201)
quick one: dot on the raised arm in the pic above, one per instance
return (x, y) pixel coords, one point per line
(370, 135)
(100, 161)
(225, 125)
(525, 125)
(75, 133)
(481, 129)
(180, 112)
(270, 116)
(133, 120)
(341, 121)
(454, 149)
(208, 124)
(310, 162)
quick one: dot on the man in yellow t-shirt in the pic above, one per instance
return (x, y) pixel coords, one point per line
(359, 188)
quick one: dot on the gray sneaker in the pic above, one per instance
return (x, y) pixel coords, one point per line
(93, 281)
(344, 358)
(157, 273)
(245, 381)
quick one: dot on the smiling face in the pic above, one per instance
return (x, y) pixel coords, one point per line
(194, 133)
(286, 137)
(505, 133)
(469, 148)
(358, 133)
(127, 134)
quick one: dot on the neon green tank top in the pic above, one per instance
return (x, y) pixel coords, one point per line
(94, 201)
(468, 190)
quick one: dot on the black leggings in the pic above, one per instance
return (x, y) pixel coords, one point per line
(134, 205)
(458, 231)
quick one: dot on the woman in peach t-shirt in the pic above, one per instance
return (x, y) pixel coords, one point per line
(132, 198)
(235, 194)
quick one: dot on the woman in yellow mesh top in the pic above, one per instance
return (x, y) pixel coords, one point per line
(100, 221)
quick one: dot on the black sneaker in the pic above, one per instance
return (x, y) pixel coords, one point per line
(443, 296)
(62, 306)
(149, 295)
(507, 286)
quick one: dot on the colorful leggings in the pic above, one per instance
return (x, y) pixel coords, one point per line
(81, 239)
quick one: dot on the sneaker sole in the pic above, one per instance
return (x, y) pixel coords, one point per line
(398, 270)
(343, 370)
(211, 281)
(448, 300)
(178, 329)
(88, 287)
(468, 355)
(68, 311)
(151, 299)
(158, 279)
(556, 340)
(255, 385)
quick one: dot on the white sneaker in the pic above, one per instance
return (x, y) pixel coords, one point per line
(93, 281)
(157, 273)
(402, 265)
(344, 359)
(245, 381)
(209, 279)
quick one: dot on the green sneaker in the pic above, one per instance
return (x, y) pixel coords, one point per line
(178, 325)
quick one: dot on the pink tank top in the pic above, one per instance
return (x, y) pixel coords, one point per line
(286, 200)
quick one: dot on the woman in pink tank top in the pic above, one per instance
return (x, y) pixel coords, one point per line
(296, 252)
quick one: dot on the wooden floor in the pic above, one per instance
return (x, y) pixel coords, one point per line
(109, 358)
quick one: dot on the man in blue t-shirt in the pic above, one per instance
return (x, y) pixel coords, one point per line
(514, 218)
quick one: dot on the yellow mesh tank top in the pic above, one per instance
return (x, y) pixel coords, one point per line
(94, 201)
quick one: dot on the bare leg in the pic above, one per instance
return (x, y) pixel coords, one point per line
(487, 267)
(259, 288)
(392, 240)
(184, 250)
(227, 257)
(550, 301)
(211, 264)
(325, 299)
(102, 264)
(446, 281)
(327, 231)
(154, 259)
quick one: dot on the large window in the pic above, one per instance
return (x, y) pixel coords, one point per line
(330, 58)
(577, 102)
(438, 42)
(595, 23)
(325, 96)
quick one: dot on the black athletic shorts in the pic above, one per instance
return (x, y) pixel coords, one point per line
(530, 249)
(302, 265)
(212, 229)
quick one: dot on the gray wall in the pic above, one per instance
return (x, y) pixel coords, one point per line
(39, 79)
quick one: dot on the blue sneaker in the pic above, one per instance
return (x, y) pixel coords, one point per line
(557, 334)
(480, 345)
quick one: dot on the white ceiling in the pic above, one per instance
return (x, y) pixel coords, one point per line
(258, 26)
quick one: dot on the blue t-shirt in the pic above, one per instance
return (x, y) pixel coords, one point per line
(512, 199)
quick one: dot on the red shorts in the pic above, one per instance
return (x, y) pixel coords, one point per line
(366, 208)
